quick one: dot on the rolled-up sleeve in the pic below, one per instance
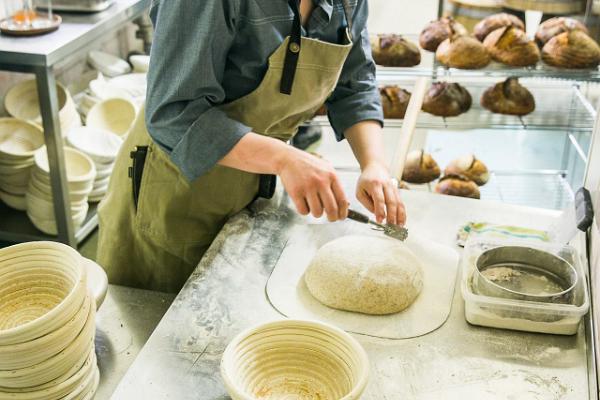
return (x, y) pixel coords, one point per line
(187, 63)
(356, 97)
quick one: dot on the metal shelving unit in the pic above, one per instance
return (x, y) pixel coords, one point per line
(41, 55)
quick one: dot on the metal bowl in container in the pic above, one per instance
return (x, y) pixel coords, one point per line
(524, 273)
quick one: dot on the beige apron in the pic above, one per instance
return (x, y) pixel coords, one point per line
(158, 244)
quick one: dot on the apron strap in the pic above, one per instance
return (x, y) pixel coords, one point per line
(293, 51)
(348, 15)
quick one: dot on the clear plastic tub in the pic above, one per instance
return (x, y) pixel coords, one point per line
(529, 316)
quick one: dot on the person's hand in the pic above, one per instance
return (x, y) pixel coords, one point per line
(313, 185)
(377, 192)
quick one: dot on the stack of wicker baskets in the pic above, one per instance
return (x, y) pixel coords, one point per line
(47, 324)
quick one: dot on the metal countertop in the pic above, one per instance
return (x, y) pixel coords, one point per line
(123, 325)
(76, 30)
(226, 294)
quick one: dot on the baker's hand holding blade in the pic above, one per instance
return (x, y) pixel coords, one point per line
(315, 188)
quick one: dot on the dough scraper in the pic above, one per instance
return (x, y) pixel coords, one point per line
(391, 230)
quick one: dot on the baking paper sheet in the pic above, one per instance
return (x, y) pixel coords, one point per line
(288, 293)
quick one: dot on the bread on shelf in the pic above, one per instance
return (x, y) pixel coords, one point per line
(420, 167)
(510, 45)
(573, 49)
(391, 50)
(496, 21)
(555, 26)
(437, 31)
(470, 167)
(462, 51)
(458, 185)
(446, 99)
(508, 97)
(394, 101)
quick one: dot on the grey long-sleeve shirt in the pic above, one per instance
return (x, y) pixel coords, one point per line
(210, 52)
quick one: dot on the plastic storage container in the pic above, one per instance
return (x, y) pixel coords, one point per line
(529, 316)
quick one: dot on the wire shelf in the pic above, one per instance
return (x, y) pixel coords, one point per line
(558, 108)
(429, 66)
(540, 189)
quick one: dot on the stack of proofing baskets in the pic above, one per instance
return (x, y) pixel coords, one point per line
(47, 324)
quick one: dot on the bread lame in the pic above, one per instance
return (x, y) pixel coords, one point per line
(391, 230)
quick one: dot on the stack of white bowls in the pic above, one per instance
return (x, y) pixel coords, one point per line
(18, 142)
(22, 102)
(47, 324)
(102, 147)
(81, 173)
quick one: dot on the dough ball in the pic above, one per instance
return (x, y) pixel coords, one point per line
(366, 274)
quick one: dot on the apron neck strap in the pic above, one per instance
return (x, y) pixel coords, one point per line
(348, 15)
(293, 51)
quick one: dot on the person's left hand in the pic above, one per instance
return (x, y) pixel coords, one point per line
(377, 192)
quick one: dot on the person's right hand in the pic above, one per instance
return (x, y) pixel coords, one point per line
(313, 185)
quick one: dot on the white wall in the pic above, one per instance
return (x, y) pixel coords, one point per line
(401, 16)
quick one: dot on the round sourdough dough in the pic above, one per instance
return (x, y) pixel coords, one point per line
(366, 274)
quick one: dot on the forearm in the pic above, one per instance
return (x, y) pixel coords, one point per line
(366, 141)
(257, 154)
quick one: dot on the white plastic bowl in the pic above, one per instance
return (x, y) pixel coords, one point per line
(101, 145)
(48, 226)
(141, 63)
(43, 179)
(22, 102)
(295, 359)
(48, 308)
(79, 167)
(114, 115)
(108, 64)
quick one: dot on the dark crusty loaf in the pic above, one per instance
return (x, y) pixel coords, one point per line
(496, 21)
(508, 97)
(574, 49)
(510, 45)
(458, 185)
(394, 101)
(391, 50)
(437, 31)
(469, 167)
(420, 167)
(555, 26)
(446, 99)
(462, 51)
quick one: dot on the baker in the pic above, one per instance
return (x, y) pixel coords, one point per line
(229, 83)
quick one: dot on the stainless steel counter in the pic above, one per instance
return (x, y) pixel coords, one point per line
(123, 325)
(226, 294)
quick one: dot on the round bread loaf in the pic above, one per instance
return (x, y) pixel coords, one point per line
(510, 45)
(574, 49)
(366, 274)
(470, 167)
(437, 31)
(555, 26)
(391, 50)
(496, 21)
(446, 99)
(458, 185)
(394, 101)
(420, 167)
(508, 97)
(462, 51)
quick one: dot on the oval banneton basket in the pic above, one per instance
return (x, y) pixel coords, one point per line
(38, 293)
(295, 359)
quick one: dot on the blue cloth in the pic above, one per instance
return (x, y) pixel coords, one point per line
(209, 52)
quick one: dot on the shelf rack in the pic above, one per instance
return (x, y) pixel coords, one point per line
(41, 55)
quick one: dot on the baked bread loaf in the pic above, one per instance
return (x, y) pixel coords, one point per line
(462, 51)
(420, 167)
(510, 45)
(393, 50)
(496, 21)
(458, 185)
(394, 101)
(469, 167)
(366, 274)
(508, 97)
(574, 49)
(446, 99)
(555, 26)
(437, 31)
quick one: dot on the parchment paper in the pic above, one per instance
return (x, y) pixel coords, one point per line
(288, 293)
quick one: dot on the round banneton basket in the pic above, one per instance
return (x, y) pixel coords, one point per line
(303, 360)
(42, 288)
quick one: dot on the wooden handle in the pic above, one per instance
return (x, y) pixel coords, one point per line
(408, 127)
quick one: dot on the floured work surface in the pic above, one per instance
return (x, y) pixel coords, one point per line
(288, 293)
